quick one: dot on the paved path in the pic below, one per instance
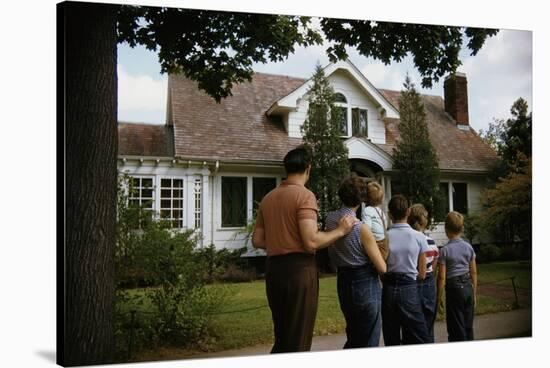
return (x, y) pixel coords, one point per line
(488, 326)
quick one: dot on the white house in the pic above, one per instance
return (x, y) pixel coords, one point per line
(206, 168)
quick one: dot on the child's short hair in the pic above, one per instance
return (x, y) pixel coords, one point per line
(398, 206)
(418, 218)
(454, 223)
(375, 194)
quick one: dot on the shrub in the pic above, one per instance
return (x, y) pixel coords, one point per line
(226, 264)
(471, 228)
(488, 253)
(178, 309)
(233, 273)
(183, 314)
(512, 252)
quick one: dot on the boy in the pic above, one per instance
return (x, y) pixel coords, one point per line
(401, 305)
(373, 216)
(418, 219)
(458, 274)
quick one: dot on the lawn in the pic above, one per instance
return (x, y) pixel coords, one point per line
(245, 320)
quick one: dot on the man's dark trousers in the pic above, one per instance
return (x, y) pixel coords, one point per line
(292, 287)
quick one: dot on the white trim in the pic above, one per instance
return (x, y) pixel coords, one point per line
(362, 148)
(184, 198)
(290, 101)
(347, 105)
(450, 192)
(249, 199)
(206, 213)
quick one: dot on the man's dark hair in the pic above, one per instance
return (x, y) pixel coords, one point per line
(297, 160)
(352, 190)
(398, 207)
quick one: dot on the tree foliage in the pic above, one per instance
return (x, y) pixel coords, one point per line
(434, 49)
(216, 49)
(323, 136)
(511, 138)
(517, 135)
(414, 156)
(507, 212)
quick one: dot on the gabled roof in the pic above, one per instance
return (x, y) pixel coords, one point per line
(145, 140)
(237, 128)
(290, 101)
(362, 148)
(460, 150)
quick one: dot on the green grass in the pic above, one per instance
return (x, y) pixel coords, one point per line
(503, 271)
(245, 319)
(251, 327)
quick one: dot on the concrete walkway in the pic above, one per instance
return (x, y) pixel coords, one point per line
(488, 326)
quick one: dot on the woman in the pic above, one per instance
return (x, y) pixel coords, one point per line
(359, 263)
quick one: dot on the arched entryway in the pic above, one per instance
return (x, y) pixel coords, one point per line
(371, 171)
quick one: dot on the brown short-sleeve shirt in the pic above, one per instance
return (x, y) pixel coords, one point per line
(279, 213)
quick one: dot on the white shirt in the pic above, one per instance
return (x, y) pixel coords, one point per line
(371, 217)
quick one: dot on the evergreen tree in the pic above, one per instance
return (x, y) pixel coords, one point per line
(414, 157)
(511, 139)
(517, 137)
(506, 213)
(323, 136)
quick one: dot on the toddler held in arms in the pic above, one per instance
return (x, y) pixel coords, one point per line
(375, 218)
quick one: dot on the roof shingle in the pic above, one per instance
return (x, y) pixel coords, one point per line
(456, 149)
(239, 129)
(145, 140)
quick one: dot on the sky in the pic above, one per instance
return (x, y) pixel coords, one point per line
(498, 75)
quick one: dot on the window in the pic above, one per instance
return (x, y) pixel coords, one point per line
(445, 203)
(142, 193)
(342, 104)
(233, 201)
(171, 201)
(460, 198)
(338, 97)
(260, 187)
(458, 202)
(359, 120)
(198, 195)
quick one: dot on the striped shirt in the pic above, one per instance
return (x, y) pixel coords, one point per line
(348, 250)
(431, 254)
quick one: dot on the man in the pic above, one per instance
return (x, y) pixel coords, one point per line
(286, 227)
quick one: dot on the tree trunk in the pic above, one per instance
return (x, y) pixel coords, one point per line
(87, 49)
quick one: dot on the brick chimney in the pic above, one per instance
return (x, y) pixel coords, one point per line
(456, 99)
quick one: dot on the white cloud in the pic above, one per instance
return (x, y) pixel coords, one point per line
(383, 76)
(498, 75)
(141, 98)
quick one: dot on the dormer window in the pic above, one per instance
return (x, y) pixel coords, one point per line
(359, 122)
(341, 103)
